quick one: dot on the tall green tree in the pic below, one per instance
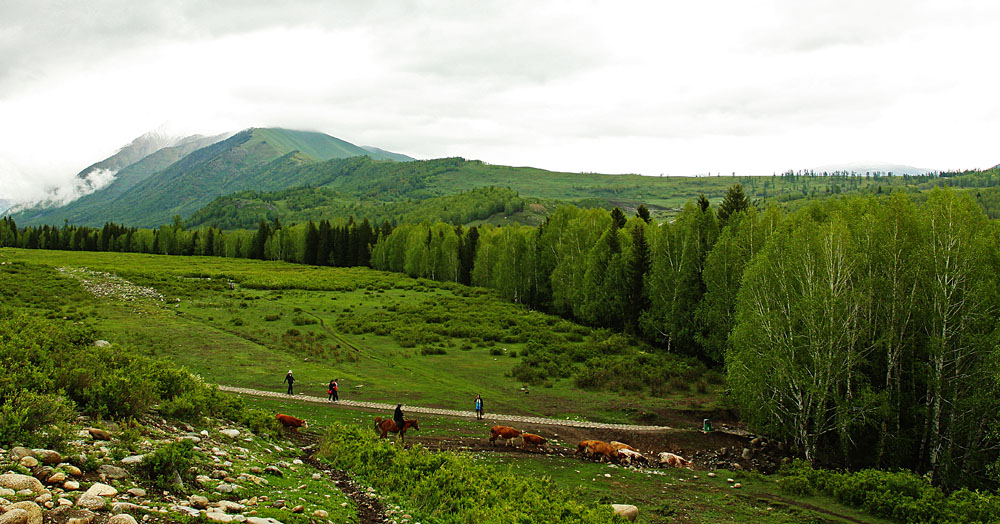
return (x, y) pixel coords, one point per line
(735, 201)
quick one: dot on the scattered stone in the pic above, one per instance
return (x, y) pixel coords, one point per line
(260, 520)
(737, 485)
(74, 471)
(18, 482)
(747, 454)
(316, 476)
(102, 490)
(278, 504)
(298, 509)
(137, 492)
(98, 433)
(218, 516)
(71, 485)
(14, 516)
(17, 453)
(6, 492)
(273, 470)
(225, 488)
(202, 479)
(232, 433)
(43, 498)
(125, 507)
(112, 472)
(256, 470)
(34, 511)
(711, 473)
(48, 456)
(297, 462)
(229, 506)
(122, 518)
(28, 462)
(65, 502)
(218, 474)
(185, 509)
(321, 514)
(198, 502)
(56, 478)
(626, 511)
(133, 459)
(101, 344)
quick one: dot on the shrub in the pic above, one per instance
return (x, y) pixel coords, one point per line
(300, 320)
(271, 318)
(169, 463)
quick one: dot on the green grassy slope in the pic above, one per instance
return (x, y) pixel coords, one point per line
(376, 185)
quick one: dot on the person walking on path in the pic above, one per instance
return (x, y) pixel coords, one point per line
(397, 417)
(479, 407)
(332, 391)
(290, 379)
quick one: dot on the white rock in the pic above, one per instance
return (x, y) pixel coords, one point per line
(232, 433)
(133, 459)
(626, 511)
(122, 518)
(18, 482)
(14, 516)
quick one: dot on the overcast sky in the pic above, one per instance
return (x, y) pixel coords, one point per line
(671, 87)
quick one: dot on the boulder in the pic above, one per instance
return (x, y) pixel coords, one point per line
(626, 511)
(18, 482)
(17, 453)
(71, 485)
(122, 518)
(112, 472)
(28, 462)
(41, 473)
(102, 490)
(91, 502)
(198, 501)
(14, 516)
(48, 456)
(34, 511)
(98, 433)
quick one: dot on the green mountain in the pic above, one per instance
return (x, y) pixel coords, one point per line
(180, 180)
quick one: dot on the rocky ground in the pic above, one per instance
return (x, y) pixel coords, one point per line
(236, 477)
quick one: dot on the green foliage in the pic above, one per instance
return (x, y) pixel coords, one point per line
(170, 463)
(901, 496)
(446, 488)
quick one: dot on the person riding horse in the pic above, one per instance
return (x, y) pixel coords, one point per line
(397, 417)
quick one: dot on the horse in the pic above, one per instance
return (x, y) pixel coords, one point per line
(385, 426)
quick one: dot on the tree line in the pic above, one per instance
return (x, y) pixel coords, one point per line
(343, 244)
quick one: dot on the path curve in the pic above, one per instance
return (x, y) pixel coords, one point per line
(446, 412)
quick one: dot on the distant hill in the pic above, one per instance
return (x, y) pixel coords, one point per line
(5, 205)
(183, 178)
(873, 167)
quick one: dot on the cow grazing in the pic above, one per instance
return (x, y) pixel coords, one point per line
(291, 422)
(504, 433)
(621, 445)
(531, 438)
(673, 460)
(597, 447)
(630, 456)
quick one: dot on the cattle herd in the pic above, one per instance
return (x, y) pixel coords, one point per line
(617, 452)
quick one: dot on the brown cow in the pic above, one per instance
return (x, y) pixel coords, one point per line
(597, 447)
(291, 422)
(621, 445)
(503, 432)
(531, 438)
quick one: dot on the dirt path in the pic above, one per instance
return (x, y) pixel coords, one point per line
(449, 412)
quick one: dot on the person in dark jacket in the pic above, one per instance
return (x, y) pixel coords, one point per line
(332, 390)
(397, 417)
(290, 379)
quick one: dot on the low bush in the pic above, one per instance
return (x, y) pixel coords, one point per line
(170, 465)
(901, 496)
(443, 487)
